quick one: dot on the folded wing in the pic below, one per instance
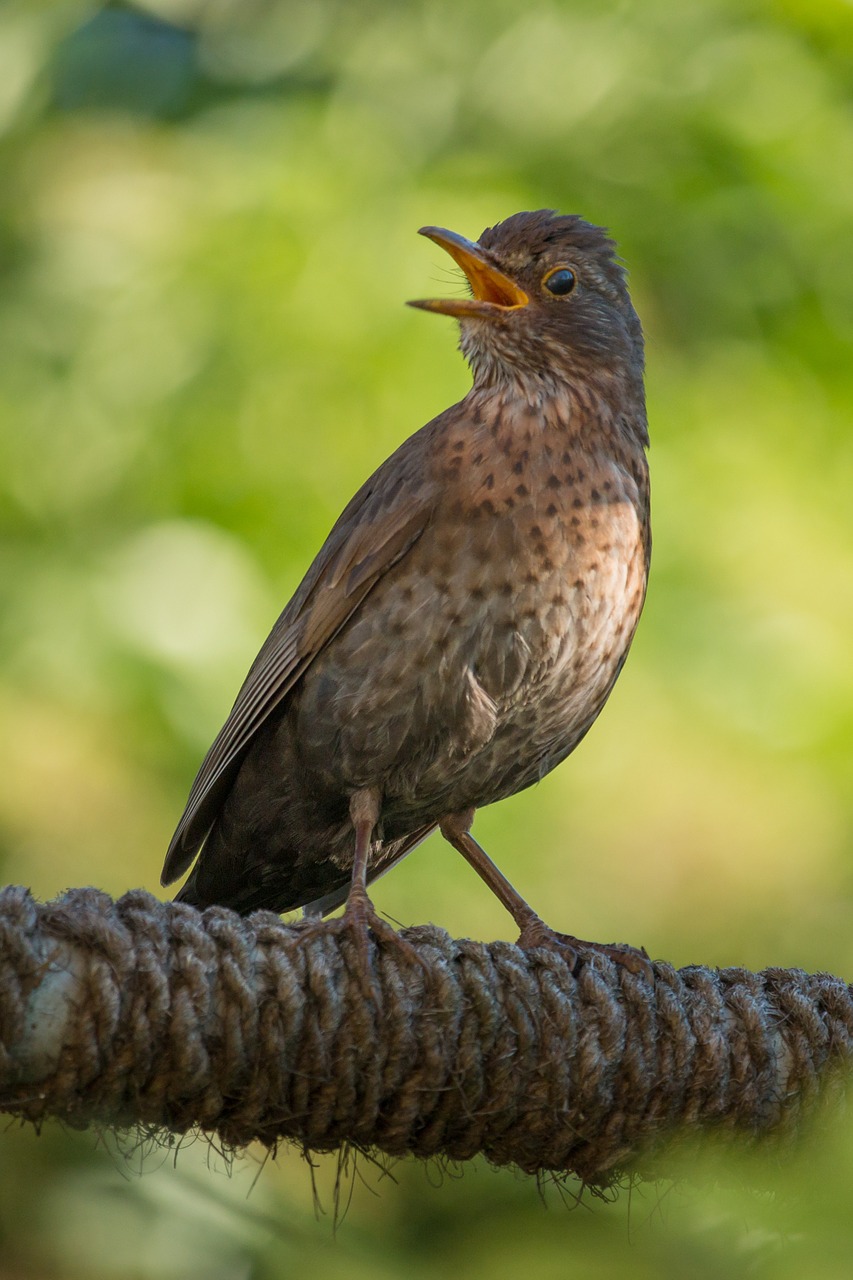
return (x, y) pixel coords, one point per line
(377, 528)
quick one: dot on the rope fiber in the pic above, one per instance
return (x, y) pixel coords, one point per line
(137, 1012)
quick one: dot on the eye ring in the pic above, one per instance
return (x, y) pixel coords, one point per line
(560, 281)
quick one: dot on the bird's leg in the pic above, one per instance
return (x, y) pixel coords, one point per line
(364, 809)
(456, 829)
(359, 913)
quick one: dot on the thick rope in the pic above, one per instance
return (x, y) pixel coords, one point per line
(139, 1012)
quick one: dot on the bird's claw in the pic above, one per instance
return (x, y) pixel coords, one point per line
(365, 927)
(634, 959)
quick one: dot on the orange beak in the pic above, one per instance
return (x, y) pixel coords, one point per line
(494, 293)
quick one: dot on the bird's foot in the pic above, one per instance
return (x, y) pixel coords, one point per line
(576, 951)
(361, 920)
(362, 923)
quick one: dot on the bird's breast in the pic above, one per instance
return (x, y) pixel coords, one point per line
(545, 547)
(510, 615)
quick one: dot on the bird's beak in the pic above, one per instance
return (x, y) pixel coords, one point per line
(494, 293)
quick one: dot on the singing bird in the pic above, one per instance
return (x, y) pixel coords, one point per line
(467, 616)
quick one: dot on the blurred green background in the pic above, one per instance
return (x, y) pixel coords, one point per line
(207, 230)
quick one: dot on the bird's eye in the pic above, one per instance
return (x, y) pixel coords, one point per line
(560, 282)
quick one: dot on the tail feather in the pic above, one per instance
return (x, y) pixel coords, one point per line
(217, 880)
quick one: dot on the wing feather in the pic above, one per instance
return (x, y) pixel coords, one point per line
(374, 532)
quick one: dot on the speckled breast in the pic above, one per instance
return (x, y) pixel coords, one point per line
(488, 652)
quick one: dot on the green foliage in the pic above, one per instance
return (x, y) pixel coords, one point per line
(207, 218)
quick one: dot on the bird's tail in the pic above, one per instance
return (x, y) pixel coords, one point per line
(219, 881)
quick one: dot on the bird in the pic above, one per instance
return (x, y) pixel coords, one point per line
(466, 618)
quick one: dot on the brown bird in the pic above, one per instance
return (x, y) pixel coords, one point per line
(467, 616)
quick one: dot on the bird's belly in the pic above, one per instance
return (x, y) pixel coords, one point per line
(451, 692)
(575, 648)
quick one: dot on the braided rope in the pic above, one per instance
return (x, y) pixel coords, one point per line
(139, 1012)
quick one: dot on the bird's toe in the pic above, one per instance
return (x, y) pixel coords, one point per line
(577, 951)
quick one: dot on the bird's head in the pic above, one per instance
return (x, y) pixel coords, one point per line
(549, 302)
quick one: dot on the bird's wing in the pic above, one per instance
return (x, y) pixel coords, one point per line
(380, 524)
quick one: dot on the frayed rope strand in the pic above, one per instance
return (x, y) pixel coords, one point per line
(136, 1012)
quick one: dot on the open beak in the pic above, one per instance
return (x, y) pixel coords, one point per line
(494, 293)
